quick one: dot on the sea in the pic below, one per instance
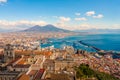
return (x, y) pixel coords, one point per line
(107, 42)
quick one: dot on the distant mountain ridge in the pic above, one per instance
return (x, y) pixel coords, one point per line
(46, 28)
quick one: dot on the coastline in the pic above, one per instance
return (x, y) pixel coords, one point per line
(90, 38)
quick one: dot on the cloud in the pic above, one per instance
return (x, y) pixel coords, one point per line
(116, 26)
(81, 19)
(3, 1)
(71, 26)
(90, 13)
(40, 16)
(64, 26)
(77, 14)
(64, 19)
(19, 24)
(55, 16)
(85, 26)
(62, 22)
(98, 16)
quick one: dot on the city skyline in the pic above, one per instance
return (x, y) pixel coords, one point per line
(66, 14)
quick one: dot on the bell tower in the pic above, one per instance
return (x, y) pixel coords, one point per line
(8, 53)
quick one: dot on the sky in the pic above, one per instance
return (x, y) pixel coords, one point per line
(66, 14)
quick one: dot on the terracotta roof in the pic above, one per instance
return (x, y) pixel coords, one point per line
(46, 53)
(21, 62)
(24, 77)
(37, 52)
(23, 52)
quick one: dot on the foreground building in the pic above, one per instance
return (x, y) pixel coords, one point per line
(9, 75)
